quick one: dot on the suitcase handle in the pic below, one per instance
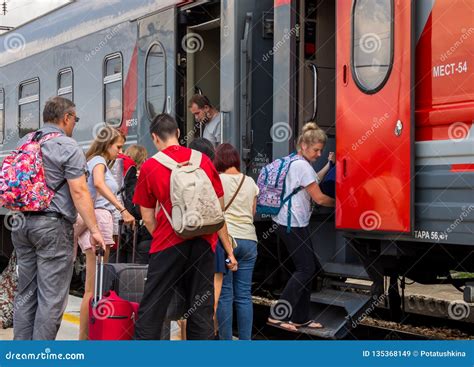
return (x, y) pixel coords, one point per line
(99, 273)
(134, 240)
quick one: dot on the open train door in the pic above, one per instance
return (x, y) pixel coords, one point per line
(374, 116)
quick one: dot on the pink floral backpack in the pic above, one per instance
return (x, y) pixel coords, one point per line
(22, 180)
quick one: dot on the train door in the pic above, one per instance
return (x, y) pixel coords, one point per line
(199, 33)
(156, 70)
(374, 112)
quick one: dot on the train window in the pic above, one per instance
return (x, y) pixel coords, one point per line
(2, 115)
(372, 43)
(65, 83)
(28, 107)
(113, 89)
(155, 80)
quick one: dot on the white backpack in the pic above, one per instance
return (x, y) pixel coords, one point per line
(196, 210)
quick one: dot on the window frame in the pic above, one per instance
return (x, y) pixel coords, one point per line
(392, 42)
(107, 79)
(58, 89)
(155, 43)
(2, 115)
(29, 99)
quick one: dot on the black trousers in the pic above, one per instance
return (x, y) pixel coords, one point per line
(296, 297)
(190, 264)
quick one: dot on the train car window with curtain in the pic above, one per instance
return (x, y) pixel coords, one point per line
(28, 107)
(65, 83)
(372, 43)
(155, 79)
(2, 115)
(113, 90)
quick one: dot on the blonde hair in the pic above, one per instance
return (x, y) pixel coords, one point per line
(138, 153)
(311, 134)
(106, 137)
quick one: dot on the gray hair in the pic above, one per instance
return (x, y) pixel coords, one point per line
(56, 107)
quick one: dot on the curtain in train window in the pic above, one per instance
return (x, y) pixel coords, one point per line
(2, 115)
(155, 80)
(113, 90)
(65, 81)
(372, 43)
(28, 107)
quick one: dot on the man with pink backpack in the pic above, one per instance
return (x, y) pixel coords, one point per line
(44, 181)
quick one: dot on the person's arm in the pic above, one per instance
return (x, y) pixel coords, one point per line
(317, 195)
(323, 171)
(84, 205)
(98, 175)
(218, 132)
(223, 234)
(148, 216)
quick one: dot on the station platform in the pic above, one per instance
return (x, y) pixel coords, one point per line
(69, 329)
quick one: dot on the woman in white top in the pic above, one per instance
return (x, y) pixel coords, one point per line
(295, 299)
(240, 195)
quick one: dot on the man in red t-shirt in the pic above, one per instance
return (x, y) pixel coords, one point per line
(173, 259)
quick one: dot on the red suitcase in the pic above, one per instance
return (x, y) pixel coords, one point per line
(110, 317)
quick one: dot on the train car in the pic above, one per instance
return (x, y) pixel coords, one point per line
(390, 81)
(123, 62)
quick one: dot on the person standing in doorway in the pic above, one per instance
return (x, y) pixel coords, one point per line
(207, 116)
(293, 228)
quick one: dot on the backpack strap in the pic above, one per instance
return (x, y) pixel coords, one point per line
(235, 194)
(166, 160)
(42, 138)
(288, 198)
(196, 158)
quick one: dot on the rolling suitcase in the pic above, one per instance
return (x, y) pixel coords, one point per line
(110, 316)
(126, 279)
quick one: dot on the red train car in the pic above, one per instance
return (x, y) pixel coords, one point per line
(392, 83)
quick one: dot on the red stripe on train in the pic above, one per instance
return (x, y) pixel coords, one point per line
(462, 168)
(130, 92)
(281, 2)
